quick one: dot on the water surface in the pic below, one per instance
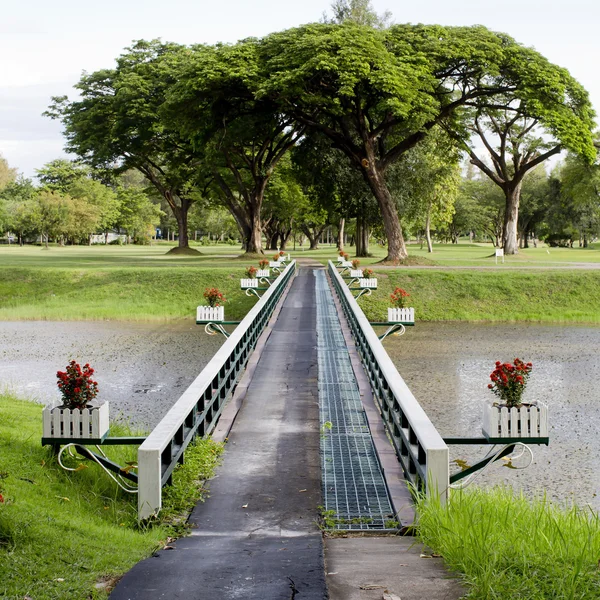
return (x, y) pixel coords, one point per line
(447, 367)
(141, 368)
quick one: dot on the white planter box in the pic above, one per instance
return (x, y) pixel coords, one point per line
(85, 423)
(346, 264)
(524, 422)
(370, 284)
(210, 313)
(248, 283)
(401, 315)
(357, 273)
(340, 259)
(263, 273)
(275, 264)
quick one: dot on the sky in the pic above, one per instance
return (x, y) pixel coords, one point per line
(47, 45)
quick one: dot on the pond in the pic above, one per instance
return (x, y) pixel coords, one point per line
(141, 368)
(447, 367)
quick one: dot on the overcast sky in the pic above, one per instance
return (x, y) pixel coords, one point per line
(46, 45)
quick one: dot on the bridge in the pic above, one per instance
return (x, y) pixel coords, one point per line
(322, 433)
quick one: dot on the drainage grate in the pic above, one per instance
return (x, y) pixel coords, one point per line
(354, 491)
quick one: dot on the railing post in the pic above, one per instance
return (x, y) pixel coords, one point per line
(149, 483)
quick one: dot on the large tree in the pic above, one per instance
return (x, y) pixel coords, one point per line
(519, 133)
(214, 104)
(116, 124)
(376, 93)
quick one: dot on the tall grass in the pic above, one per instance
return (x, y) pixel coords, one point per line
(507, 547)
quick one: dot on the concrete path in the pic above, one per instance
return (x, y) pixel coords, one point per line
(256, 537)
(372, 568)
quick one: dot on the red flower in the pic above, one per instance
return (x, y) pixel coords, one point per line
(509, 380)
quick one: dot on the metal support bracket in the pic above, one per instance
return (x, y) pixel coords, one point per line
(361, 292)
(510, 447)
(265, 280)
(396, 328)
(214, 327)
(254, 291)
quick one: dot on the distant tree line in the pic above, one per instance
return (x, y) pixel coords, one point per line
(352, 121)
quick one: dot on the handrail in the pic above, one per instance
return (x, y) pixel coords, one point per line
(198, 409)
(419, 447)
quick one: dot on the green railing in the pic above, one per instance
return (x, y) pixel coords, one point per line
(198, 409)
(419, 447)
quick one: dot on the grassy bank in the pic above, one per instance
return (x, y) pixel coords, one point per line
(146, 283)
(509, 296)
(70, 535)
(126, 293)
(507, 547)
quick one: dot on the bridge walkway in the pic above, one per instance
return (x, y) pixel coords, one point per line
(257, 537)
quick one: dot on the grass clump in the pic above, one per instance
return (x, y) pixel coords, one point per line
(507, 547)
(72, 535)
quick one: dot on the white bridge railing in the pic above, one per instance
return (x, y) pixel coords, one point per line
(199, 407)
(419, 447)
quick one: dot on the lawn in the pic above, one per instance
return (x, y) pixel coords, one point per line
(461, 282)
(69, 536)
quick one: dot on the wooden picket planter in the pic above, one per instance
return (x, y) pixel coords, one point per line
(370, 284)
(248, 283)
(210, 313)
(401, 315)
(263, 273)
(526, 421)
(356, 273)
(86, 423)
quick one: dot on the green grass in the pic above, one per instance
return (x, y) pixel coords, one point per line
(61, 533)
(129, 293)
(507, 547)
(145, 283)
(508, 296)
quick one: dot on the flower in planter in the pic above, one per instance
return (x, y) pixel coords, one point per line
(214, 297)
(341, 252)
(398, 297)
(281, 253)
(367, 273)
(509, 381)
(276, 257)
(76, 385)
(355, 263)
(263, 264)
(251, 271)
(346, 256)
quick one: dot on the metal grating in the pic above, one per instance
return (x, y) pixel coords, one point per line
(354, 490)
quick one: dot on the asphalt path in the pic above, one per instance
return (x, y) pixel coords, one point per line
(256, 536)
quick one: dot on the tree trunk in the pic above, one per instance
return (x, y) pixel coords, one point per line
(428, 229)
(254, 241)
(340, 235)
(365, 238)
(393, 230)
(511, 216)
(284, 236)
(359, 250)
